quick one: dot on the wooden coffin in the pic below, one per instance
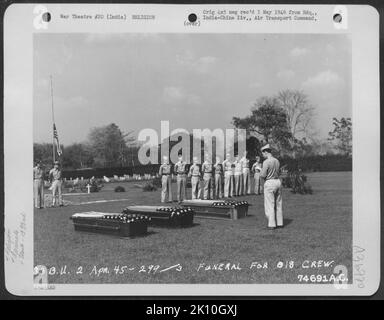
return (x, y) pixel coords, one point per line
(222, 209)
(118, 224)
(164, 216)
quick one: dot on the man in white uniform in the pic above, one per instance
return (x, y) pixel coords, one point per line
(256, 169)
(195, 173)
(229, 181)
(38, 185)
(246, 174)
(238, 175)
(181, 178)
(166, 180)
(218, 179)
(55, 178)
(207, 171)
(273, 204)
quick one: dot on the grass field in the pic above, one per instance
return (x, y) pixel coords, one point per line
(318, 227)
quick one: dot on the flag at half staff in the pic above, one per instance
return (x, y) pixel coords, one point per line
(56, 138)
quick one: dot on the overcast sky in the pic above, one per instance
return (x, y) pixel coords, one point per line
(192, 80)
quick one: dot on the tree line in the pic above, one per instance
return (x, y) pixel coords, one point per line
(105, 146)
(284, 120)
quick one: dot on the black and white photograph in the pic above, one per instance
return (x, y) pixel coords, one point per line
(195, 158)
(226, 157)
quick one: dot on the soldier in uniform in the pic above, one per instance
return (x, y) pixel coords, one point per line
(181, 176)
(207, 170)
(38, 185)
(229, 184)
(166, 180)
(218, 179)
(238, 176)
(246, 174)
(194, 173)
(273, 204)
(256, 169)
(56, 181)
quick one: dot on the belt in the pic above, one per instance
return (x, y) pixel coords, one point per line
(194, 175)
(166, 174)
(181, 174)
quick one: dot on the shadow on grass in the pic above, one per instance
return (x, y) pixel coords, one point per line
(167, 226)
(194, 225)
(287, 222)
(149, 233)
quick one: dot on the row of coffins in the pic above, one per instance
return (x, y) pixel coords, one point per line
(134, 220)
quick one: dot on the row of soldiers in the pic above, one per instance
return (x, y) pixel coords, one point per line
(229, 178)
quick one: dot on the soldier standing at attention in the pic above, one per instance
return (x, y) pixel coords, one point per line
(181, 176)
(246, 174)
(238, 176)
(256, 169)
(218, 179)
(229, 184)
(194, 173)
(207, 170)
(166, 180)
(272, 189)
(55, 179)
(38, 185)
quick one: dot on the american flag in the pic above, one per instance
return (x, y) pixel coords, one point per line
(56, 137)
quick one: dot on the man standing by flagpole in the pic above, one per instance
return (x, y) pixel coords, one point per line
(55, 179)
(38, 185)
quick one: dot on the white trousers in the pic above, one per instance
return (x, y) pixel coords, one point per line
(166, 188)
(56, 192)
(196, 188)
(229, 184)
(273, 203)
(38, 191)
(238, 184)
(246, 181)
(258, 184)
(218, 186)
(181, 184)
(208, 186)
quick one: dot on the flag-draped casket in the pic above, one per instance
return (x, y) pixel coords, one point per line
(175, 216)
(227, 209)
(119, 224)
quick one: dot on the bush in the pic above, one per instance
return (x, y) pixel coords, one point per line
(156, 182)
(119, 189)
(297, 182)
(149, 187)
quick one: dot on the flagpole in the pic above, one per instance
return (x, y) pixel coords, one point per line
(53, 122)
